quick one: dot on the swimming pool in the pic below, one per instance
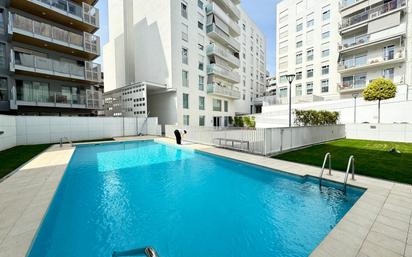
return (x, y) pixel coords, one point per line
(121, 196)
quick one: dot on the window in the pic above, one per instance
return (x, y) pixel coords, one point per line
(200, 4)
(298, 58)
(185, 101)
(325, 53)
(200, 25)
(200, 21)
(183, 7)
(201, 103)
(299, 44)
(283, 92)
(217, 105)
(2, 55)
(325, 34)
(310, 23)
(326, 15)
(299, 27)
(185, 32)
(186, 120)
(309, 73)
(200, 42)
(325, 69)
(298, 89)
(298, 75)
(201, 83)
(325, 86)
(202, 120)
(388, 73)
(201, 65)
(309, 55)
(185, 78)
(389, 52)
(309, 88)
(4, 96)
(185, 55)
(226, 106)
(2, 28)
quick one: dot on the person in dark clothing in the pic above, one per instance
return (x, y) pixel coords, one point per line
(178, 134)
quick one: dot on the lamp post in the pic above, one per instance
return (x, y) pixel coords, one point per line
(290, 78)
(354, 95)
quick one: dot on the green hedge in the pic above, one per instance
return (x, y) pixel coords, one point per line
(315, 118)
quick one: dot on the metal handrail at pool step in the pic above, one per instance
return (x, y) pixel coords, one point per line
(148, 251)
(351, 163)
(328, 157)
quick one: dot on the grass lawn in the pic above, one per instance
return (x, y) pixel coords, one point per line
(12, 158)
(371, 158)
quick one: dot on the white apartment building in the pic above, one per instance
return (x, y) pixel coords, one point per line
(193, 63)
(336, 49)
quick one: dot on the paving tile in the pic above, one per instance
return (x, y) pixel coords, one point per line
(389, 231)
(408, 251)
(395, 223)
(386, 242)
(370, 249)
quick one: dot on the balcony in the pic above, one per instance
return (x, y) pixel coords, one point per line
(214, 50)
(361, 83)
(222, 91)
(230, 8)
(220, 36)
(79, 16)
(234, 28)
(46, 98)
(364, 40)
(363, 17)
(223, 73)
(355, 64)
(86, 72)
(26, 30)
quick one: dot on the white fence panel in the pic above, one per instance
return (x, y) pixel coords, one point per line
(380, 132)
(8, 131)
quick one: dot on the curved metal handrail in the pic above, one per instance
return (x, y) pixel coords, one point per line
(351, 163)
(148, 251)
(328, 157)
(68, 139)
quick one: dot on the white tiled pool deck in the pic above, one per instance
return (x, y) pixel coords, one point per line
(378, 225)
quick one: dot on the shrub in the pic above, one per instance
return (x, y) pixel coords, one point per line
(249, 121)
(239, 122)
(315, 118)
(378, 90)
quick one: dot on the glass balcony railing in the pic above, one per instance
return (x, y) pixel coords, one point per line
(76, 70)
(85, 12)
(230, 7)
(215, 69)
(232, 25)
(229, 92)
(354, 41)
(86, 42)
(362, 61)
(221, 36)
(372, 13)
(346, 3)
(213, 49)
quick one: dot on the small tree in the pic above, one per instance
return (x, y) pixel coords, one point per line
(379, 89)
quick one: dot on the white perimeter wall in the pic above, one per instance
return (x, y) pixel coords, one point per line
(8, 127)
(28, 130)
(381, 132)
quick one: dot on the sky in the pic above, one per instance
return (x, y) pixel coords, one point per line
(263, 12)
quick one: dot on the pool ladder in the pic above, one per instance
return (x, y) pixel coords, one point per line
(67, 139)
(148, 251)
(351, 164)
(328, 158)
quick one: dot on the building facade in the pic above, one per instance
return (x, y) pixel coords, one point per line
(47, 51)
(193, 63)
(336, 48)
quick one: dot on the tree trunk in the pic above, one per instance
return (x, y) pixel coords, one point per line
(379, 111)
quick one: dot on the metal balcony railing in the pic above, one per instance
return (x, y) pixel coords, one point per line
(90, 71)
(85, 12)
(357, 62)
(86, 42)
(372, 13)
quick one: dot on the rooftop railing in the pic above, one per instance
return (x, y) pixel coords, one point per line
(372, 13)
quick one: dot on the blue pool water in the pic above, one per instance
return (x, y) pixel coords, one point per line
(122, 196)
